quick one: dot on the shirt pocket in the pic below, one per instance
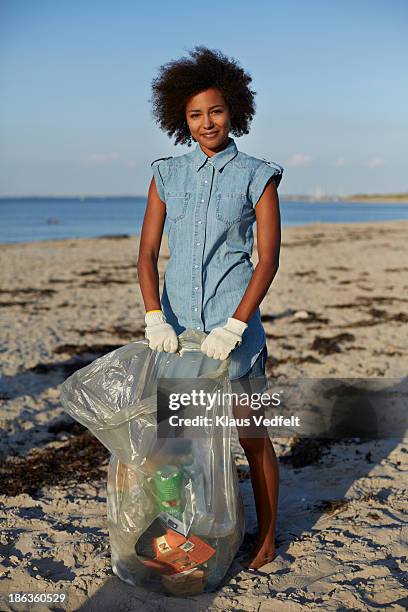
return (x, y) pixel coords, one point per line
(229, 207)
(176, 205)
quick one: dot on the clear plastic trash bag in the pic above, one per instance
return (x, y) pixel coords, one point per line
(174, 508)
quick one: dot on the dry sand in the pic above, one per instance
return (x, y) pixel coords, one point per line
(342, 528)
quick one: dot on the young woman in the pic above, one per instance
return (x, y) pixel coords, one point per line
(212, 196)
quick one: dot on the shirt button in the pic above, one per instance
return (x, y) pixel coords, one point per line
(198, 243)
(196, 288)
(196, 309)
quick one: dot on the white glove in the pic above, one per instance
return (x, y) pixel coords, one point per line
(161, 335)
(221, 340)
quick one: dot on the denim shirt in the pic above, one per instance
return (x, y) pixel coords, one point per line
(210, 205)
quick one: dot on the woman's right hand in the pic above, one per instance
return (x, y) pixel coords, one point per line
(161, 335)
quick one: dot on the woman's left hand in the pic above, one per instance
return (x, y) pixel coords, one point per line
(222, 340)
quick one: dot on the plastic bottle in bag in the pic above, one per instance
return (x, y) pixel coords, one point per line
(169, 485)
(201, 523)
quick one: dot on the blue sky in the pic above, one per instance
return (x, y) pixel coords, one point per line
(75, 77)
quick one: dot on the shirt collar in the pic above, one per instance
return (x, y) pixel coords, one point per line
(219, 160)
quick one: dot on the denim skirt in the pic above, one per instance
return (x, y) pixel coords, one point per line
(255, 380)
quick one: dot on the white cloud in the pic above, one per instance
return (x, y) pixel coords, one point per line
(340, 161)
(299, 159)
(106, 159)
(375, 162)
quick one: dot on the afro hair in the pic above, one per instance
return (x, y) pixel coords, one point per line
(187, 76)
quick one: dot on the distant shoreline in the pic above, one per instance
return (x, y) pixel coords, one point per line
(392, 198)
(374, 199)
(365, 198)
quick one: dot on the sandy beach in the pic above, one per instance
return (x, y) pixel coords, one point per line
(342, 528)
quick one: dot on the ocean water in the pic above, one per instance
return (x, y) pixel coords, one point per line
(32, 219)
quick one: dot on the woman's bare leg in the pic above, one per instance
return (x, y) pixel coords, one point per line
(264, 468)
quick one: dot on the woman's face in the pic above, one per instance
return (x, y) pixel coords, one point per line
(208, 119)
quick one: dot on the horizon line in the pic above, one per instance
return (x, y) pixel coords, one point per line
(320, 196)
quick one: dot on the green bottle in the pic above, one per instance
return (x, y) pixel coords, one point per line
(169, 481)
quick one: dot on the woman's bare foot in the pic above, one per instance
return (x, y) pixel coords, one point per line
(261, 554)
